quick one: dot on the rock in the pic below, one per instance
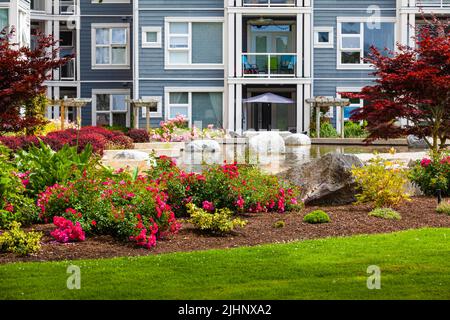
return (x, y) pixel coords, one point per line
(203, 145)
(415, 142)
(132, 155)
(327, 180)
(297, 139)
(266, 142)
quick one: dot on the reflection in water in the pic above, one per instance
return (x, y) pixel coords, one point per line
(270, 162)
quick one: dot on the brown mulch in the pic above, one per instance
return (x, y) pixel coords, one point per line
(346, 220)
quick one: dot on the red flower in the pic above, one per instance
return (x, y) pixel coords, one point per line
(94, 223)
(425, 162)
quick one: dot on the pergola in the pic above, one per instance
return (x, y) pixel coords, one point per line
(147, 104)
(76, 103)
(327, 102)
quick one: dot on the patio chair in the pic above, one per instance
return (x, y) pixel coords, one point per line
(248, 67)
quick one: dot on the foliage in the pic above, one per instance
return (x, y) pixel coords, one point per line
(326, 131)
(381, 183)
(18, 241)
(431, 174)
(53, 125)
(443, 207)
(355, 130)
(411, 84)
(317, 217)
(23, 72)
(45, 167)
(220, 221)
(138, 135)
(385, 213)
(279, 224)
(67, 230)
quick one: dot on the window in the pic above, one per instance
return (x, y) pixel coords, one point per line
(3, 18)
(110, 48)
(110, 1)
(202, 107)
(158, 113)
(357, 35)
(151, 37)
(110, 108)
(324, 37)
(66, 38)
(195, 43)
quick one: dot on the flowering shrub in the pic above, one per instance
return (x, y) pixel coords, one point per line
(432, 174)
(381, 183)
(138, 135)
(67, 231)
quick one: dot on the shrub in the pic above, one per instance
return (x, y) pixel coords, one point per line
(381, 183)
(316, 217)
(443, 207)
(67, 231)
(326, 131)
(279, 224)
(139, 135)
(431, 174)
(220, 221)
(20, 242)
(354, 130)
(120, 142)
(385, 213)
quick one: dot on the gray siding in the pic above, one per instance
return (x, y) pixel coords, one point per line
(181, 4)
(101, 9)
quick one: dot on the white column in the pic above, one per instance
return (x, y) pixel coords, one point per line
(238, 45)
(231, 50)
(48, 7)
(308, 46)
(56, 96)
(339, 115)
(307, 3)
(230, 107)
(56, 72)
(412, 30)
(300, 101)
(239, 108)
(307, 108)
(403, 29)
(300, 52)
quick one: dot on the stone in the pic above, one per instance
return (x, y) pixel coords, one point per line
(203, 146)
(266, 142)
(132, 155)
(297, 139)
(416, 142)
(327, 180)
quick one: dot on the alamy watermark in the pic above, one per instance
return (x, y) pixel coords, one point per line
(374, 279)
(74, 280)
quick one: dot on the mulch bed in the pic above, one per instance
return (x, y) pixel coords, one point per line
(346, 220)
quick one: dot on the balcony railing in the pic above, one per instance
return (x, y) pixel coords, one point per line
(269, 3)
(67, 71)
(269, 65)
(67, 7)
(433, 3)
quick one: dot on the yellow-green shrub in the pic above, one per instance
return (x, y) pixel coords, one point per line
(18, 241)
(444, 208)
(381, 183)
(219, 222)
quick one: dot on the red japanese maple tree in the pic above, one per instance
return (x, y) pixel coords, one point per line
(412, 84)
(22, 75)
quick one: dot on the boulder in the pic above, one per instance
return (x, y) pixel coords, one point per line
(203, 146)
(132, 155)
(327, 180)
(416, 142)
(266, 142)
(297, 139)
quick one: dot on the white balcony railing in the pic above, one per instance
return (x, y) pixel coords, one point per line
(269, 65)
(67, 7)
(433, 3)
(269, 3)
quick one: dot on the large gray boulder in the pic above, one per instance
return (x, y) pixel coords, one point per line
(327, 180)
(132, 155)
(266, 142)
(203, 146)
(297, 139)
(416, 142)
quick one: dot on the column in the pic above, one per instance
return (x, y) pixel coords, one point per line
(239, 108)
(300, 101)
(230, 106)
(300, 33)
(308, 46)
(307, 108)
(238, 51)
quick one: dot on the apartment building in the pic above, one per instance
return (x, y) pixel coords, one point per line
(209, 60)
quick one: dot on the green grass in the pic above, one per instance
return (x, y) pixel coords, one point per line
(414, 264)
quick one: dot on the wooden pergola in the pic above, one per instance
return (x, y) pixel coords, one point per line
(147, 104)
(64, 103)
(326, 102)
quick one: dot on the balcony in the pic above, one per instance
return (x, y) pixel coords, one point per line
(269, 3)
(269, 65)
(67, 7)
(37, 5)
(433, 3)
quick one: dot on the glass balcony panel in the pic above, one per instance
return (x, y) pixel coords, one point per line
(433, 3)
(269, 3)
(269, 65)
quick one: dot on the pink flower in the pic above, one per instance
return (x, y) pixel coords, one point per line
(240, 203)
(208, 206)
(425, 162)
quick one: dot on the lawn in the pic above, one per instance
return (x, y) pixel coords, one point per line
(414, 264)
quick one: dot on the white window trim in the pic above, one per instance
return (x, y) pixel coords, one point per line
(361, 65)
(154, 114)
(190, 65)
(109, 1)
(147, 44)
(189, 90)
(95, 26)
(330, 43)
(110, 92)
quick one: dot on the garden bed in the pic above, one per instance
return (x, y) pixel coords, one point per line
(346, 220)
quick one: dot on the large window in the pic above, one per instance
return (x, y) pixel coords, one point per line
(110, 46)
(356, 36)
(3, 18)
(110, 108)
(201, 107)
(194, 43)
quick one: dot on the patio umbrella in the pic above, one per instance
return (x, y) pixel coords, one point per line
(269, 98)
